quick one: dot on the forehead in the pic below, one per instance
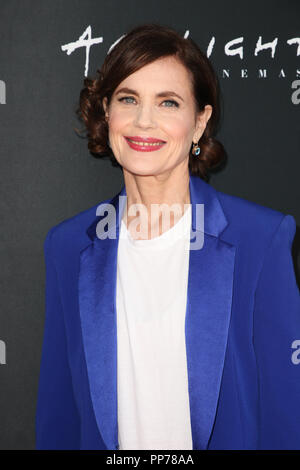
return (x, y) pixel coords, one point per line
(165, 73)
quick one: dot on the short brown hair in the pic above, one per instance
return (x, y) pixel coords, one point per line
(141, 46)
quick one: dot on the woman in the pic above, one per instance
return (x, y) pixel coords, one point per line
(167, 338)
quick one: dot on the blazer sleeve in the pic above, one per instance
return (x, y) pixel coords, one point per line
(276, 329)
(57, 420)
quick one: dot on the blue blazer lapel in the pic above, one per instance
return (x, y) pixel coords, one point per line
(97, 300)
(209, 299)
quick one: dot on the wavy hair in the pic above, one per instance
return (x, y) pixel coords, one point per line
(141, 46)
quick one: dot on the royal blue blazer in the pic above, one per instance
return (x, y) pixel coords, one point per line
(242, 325)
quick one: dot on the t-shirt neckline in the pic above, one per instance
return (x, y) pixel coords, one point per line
(178, 231)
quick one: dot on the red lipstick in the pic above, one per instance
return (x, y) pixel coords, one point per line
(144, 144)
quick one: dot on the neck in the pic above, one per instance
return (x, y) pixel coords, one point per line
(170, 190)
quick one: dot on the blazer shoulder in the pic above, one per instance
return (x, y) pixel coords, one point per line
(255, 222)
(72, 230)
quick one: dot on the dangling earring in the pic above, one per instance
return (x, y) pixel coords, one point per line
(196, 149)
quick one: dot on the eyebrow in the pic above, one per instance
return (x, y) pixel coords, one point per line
(162, 94)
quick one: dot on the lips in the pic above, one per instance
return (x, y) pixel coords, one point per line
(144, 139)
(144, 144)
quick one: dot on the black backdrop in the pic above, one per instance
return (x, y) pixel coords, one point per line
(48, 175)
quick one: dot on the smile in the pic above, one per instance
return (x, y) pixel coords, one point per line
(144, 146)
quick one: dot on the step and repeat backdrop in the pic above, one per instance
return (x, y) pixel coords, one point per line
(47, 173)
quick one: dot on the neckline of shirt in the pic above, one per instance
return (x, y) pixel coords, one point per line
(180, 230)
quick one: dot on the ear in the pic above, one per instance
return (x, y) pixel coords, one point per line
(104, 104)
(202, 119)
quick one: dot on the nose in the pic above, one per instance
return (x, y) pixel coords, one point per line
(145, 116)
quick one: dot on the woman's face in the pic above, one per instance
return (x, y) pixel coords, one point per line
(141, 112)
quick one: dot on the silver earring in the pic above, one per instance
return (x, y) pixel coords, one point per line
(196, 149)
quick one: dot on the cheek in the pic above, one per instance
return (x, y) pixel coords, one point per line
(180, 130)
(118, 119)
(116, 122)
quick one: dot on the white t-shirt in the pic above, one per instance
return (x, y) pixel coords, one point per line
(153, 398)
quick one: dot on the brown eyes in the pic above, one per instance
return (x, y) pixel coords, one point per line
(174, 103)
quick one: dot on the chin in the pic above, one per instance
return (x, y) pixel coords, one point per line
(145, 170)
